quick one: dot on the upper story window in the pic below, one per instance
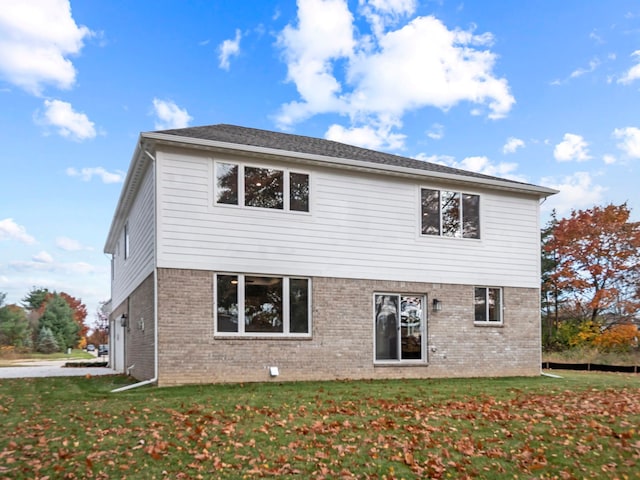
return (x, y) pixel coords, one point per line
(299, 192)
(450, 214)
(261, 187)
(126, 241)
(227, 183)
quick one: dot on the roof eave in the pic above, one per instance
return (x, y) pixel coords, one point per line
(541, 192)
(120, 214)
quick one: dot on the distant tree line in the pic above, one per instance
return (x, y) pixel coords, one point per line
(591, 280)
(47, 322)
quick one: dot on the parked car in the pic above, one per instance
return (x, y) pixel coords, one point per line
(103, 350)
(91, 348)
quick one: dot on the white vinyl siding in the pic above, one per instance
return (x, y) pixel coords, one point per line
(129, 272)
(362, 225)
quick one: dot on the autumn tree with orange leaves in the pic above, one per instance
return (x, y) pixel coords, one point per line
(596, 268)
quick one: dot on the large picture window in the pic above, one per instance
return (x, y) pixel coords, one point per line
(399, 327)
(488, 305)
(450, 214)
(262, 305)
(261, 187)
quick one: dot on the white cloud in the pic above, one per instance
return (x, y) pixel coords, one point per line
(88, 282)
(42, 257)
(595, 36)
(366, 137)
(170, 115)
(36, 39)
(79, 268)
(87, 173)
(630, 143)
(10, 230)
(634, 72)
(512, 145)
(482, 164)
(70, 124)
(382, 13)
(436, 132)
(593, 64)
(439, 159)
(579, 72)
(324, 33)
(70, 245)
(394, 8)
(576, 191)
(478, 164)
(390, 73)
(572, 147)
(609, 159)
(229, 48)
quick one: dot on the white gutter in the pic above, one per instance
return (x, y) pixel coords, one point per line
(342, 162)
(155, 288)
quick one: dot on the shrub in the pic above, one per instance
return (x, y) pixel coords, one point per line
(586, 334)
(618, 338)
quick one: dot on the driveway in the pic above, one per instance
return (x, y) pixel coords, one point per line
(53, 368)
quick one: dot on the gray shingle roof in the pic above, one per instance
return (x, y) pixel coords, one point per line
(315, 146)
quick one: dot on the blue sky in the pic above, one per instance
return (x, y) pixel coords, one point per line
(542, 91)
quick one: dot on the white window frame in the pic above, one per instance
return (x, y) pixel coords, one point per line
(496, 323)
(127, 241)
(461, 195)
(241, 307)
(286, 186)
(423, 332)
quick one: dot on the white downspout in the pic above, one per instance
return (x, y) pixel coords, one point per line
(155, 286)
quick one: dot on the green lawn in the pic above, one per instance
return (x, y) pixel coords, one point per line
(12, 358)
(584, 425)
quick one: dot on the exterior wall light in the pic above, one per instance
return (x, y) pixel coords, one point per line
(123, 320)
(437, 305)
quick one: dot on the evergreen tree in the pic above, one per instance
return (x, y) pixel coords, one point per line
(35, 298)
(46, 341)
(14, 326)
(58, 317)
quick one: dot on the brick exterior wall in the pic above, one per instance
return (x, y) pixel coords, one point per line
(342, 342)
(139, 332)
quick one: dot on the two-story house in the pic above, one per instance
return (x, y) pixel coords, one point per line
(245, 255)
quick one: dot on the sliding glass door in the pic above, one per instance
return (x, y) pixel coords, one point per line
(400, 327)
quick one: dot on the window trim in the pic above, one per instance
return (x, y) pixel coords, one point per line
(286, 304)
(286, 185)
(461, 217)
(491, 323)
